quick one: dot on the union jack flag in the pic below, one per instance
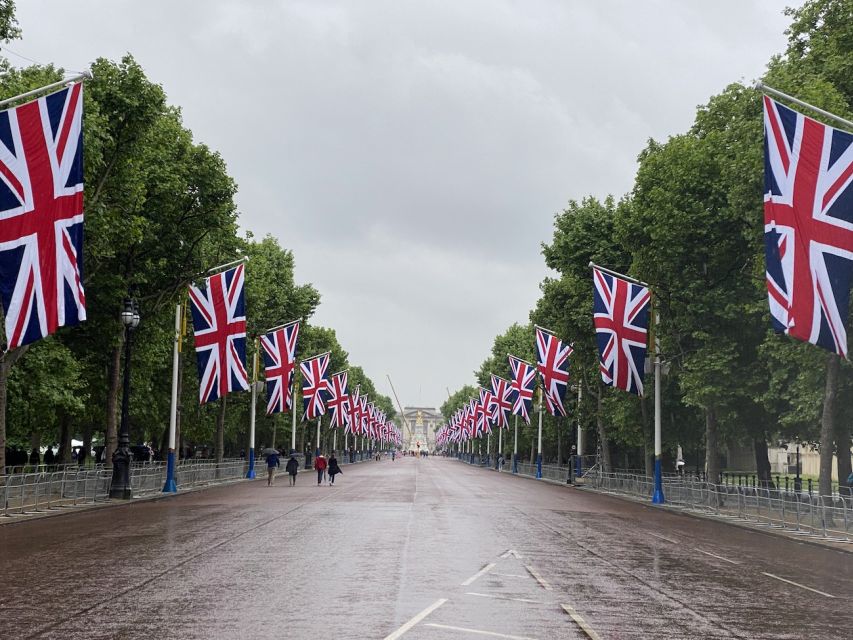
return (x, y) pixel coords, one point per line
(523, 385)
(471, 417)
(484, 412)
(502, 401)
(808, 226)
(364, 417)
(219, 327)
(279, 349)
(338, 401)
(553, 359)
(314, 385)
(353, 424)
(621, 318)
(41, 216)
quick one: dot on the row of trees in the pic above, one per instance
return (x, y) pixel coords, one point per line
(693, 228)
(159, 211)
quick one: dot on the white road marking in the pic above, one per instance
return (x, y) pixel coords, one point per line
(797, 584)
(511, 552)
(509, 575)
(481, 572)
(589, 631)
(542, 582)
(670, 540)
(411, 623)
(486, 595)
(478, 632)
(714, 555)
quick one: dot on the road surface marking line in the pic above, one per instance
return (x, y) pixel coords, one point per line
(542, 582)
(509, 575)
(411, 623)
(487, 595)
(797, 584)
(481, 572)
(714, 555)
(589, 631)
(670, 540)
(479, 632)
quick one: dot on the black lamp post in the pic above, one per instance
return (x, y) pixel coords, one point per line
(120, 487)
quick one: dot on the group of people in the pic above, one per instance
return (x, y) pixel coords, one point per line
(323, 466)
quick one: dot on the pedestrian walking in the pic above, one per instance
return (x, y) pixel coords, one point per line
(320, 465)
(272, 463)
(334, 469)
(292, 468)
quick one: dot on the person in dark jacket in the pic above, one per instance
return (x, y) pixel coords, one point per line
(320, 464)
(292, 468)
(272, 463)
(334, 469)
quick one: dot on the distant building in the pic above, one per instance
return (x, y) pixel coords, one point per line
(423, 421)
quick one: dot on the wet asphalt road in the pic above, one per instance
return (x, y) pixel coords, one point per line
(481, 554)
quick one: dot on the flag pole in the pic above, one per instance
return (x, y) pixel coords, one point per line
(171, 486)
(319, 420)
(539, 445)
(84, 75)
(515, 448)
(228, 264)
(618, 275)
(658, 497)
(500, 446)
(293, 414)
(760, 86)
(578, 462)
(250, 473)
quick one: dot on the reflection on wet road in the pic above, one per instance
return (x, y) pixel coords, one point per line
(417, 549)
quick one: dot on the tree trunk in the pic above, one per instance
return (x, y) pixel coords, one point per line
(220, 429)
(110, 430)
(712, 457)
(762, 464)
(7, 360)
(842, 449)
(532, 449)
(603, 441)
(274, 425)
(64, 439)
(648, 440)
(87, 441)
(559, 425)
(827, 424)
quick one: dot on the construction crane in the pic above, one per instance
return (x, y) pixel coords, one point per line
(400, 407)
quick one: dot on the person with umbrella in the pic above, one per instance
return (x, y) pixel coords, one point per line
(292, 468)
(272, 463)
(334, 469)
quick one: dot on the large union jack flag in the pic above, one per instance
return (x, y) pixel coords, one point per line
(279, 349)
(314, 385)
(219, 327)
(41, 215)
(553, 360)
(484, 412)
(502, 401)
(621, 318)
(808, 226)
(523, 385)
(338, 401)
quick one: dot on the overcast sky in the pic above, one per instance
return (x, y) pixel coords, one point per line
(412, 155)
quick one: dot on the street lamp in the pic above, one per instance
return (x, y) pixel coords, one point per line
(120, 486)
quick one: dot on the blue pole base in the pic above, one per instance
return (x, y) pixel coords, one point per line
(170, 486)
(515, 463)
(250, 474)
(657, 496)
(538, 466)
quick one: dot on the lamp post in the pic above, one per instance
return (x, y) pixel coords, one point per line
(120, 486)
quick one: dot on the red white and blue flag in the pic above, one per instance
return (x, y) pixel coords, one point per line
(808, 226)
(279, 350)
(621, 318)
(314, 385)
(484, 412)
(219, 327)
(353, 424)
(338, 401)
(41, 216)
(502, 401)
(523, 385)
(553, 360)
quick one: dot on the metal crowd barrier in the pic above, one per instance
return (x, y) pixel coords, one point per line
(800, 512)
